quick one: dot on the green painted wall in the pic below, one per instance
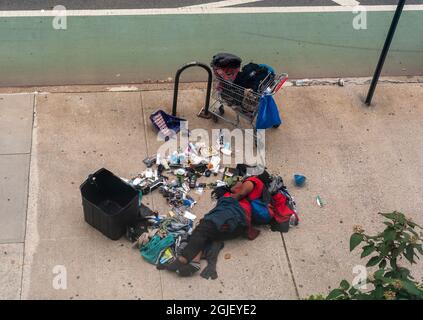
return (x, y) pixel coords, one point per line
(98, 49)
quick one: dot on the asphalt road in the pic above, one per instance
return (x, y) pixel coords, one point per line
(6, 5)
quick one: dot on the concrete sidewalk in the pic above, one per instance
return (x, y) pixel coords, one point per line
(359, 160)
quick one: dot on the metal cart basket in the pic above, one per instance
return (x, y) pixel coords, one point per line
(244, 102)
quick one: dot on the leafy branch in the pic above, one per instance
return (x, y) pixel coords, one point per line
(401, 239)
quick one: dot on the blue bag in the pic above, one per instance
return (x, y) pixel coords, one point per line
(166, 123)
(260, 212)
(268, 113)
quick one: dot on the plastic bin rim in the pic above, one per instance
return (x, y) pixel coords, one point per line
(96, 206)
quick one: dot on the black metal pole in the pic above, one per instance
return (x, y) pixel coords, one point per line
(385, 51)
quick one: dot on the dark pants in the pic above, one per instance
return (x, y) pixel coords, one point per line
(206, 231)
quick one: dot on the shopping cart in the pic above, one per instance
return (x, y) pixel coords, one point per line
(243, 101)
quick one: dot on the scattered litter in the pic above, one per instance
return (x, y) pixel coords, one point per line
(166, 124)
(149, 161)
(293, 221)
(214, 162)
(319, 202)
(136, 181)
(193, 181)
(208, 152)
(160, 238)
(148, 173)
(299, 180)
(167, 255)
(196, 159)
(189, 215)
(226, 152)
(165, 164)
(302, 82)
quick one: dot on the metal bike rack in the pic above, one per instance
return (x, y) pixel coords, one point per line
(209, 84)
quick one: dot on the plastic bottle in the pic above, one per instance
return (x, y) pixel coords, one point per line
(192, 181)
(293, 221)
(174, 158)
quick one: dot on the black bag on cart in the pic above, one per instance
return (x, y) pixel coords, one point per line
(226, 60)
(109, 203)
(247, 82)
(252, 75)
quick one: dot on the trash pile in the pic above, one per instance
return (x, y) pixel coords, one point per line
(161, 237)
(176, 175)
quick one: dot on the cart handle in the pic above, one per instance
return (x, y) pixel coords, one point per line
(176, 88)
(280, 84)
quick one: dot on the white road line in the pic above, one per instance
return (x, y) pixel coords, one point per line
(145, 12)
(344, 3)
(221, 4)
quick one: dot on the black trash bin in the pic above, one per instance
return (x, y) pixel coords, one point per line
(109, 203)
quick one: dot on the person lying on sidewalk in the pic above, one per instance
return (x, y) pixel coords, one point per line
(229, 219)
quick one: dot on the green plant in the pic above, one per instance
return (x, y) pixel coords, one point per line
(385, 250)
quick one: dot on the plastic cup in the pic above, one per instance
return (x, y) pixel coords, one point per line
(299, 180)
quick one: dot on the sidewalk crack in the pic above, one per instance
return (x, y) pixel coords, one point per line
(27, 192)
(290, 267)
(16, 154)
(152, 198)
